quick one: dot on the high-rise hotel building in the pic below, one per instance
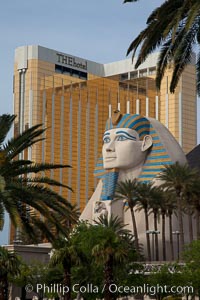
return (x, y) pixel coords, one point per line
(72, 97)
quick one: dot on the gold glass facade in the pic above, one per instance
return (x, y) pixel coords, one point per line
(73, 104)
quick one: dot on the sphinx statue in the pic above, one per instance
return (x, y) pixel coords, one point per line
(134, 146)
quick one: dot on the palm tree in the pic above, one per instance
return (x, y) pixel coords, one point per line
(171, 209)
(113, 248)
(65, 253)
(9, 266)
(23, 194)
(189, 210)
(126, 191)
(193, 199)
(115, 223)
(155, 205)
(179, 31)
(143, 192)
(178, 178)
(163, 209)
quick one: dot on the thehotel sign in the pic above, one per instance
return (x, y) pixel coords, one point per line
(71, 61)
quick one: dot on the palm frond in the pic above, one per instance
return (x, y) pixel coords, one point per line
(2, 216)
(6, 122)
(163, 61)
(30, 200)
(198, 33)
(9, 167)
(9, 262)
(198, 72)
(39, 197)
(182, 56)
(113, 222)
(24, 140)
(10, 206)
(125, 1)
(35, 168)
(42, 180)
(174, 26)
(193, 15)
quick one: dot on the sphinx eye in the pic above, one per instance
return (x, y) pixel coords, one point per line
(121, 138)
(106, 140)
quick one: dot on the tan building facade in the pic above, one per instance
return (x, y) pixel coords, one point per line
(72, 97)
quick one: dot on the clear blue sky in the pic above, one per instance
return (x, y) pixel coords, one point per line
(96, 30)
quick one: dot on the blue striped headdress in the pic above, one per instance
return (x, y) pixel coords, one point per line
(156, 160)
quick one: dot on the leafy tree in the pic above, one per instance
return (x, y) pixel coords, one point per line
(113, 248)
(85, 237)
(76, 259)
(9, 266)
(191, 257)
(168, 276)
(179, 32)
(25, 195)
(23, 277)
(106, 253)
(35, 272)
(65, 253)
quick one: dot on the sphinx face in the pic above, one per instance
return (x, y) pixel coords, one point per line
(122, 148)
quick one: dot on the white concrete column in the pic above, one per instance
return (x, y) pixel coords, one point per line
(147, 106)
(180, 112)
(157, 108)
(128, 107)
(109, 110)
(30, 120)
(137, 106)
(167, 105)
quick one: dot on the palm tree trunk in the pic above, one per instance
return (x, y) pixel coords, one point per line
(163, 236)
(180, 220)
(147, 235)
(67, 280)
(156, 235)
(197, 224)
(190, 227)
(1, 291)
(6, 286)
(171, 237)
(108, 279)
(23, 293)
(134, 229)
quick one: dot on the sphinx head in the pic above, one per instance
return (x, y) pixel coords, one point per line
(140, 145)
(126, 141)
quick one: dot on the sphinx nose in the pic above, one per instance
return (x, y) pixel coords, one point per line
(110, 147)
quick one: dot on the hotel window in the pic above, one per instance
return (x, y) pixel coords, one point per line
(134, 75)
(152, 71)
(71, 72)
(124, 76)
(143, 73)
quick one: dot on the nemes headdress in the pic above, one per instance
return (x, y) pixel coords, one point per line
(157, 156)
